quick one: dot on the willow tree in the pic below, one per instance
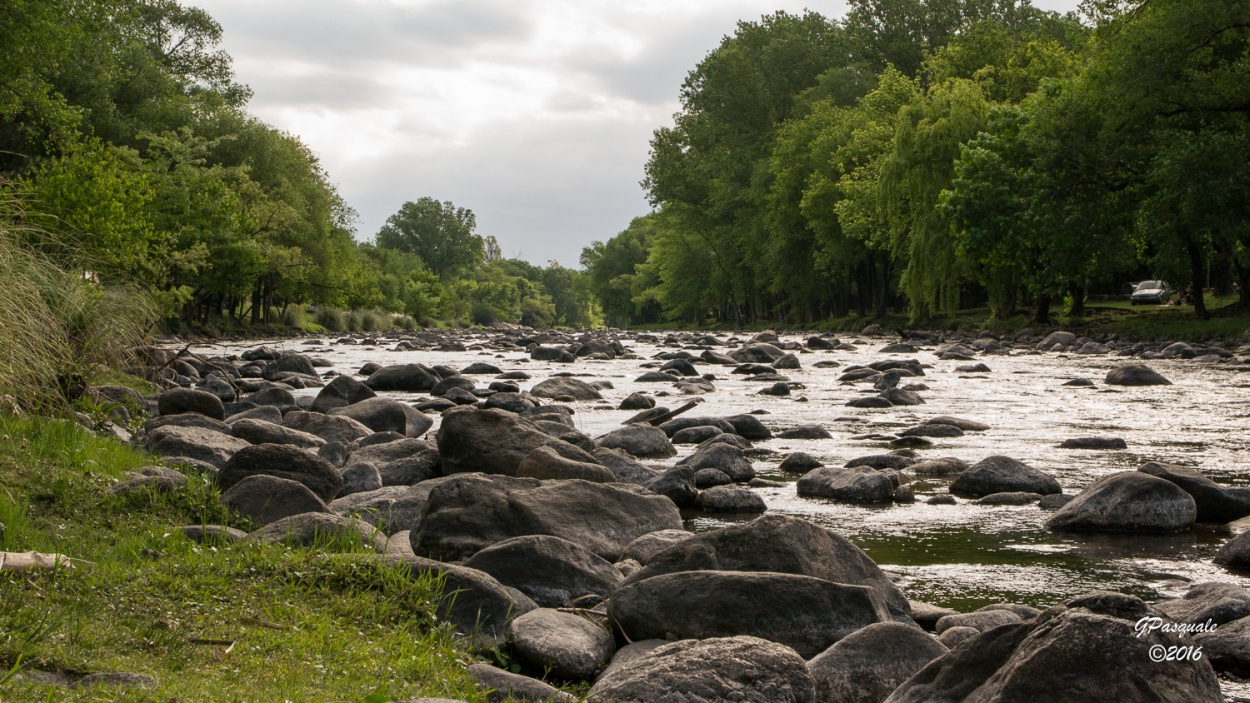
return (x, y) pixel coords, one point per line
(927, 141)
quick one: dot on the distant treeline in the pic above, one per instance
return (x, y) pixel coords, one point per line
(937, 155)
(126, 150)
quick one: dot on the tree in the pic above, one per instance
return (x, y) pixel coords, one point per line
(439, 233)
(611, 268)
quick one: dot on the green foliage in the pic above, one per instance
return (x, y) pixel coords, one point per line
(439, 234)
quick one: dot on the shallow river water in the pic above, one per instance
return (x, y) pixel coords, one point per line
(961, 556)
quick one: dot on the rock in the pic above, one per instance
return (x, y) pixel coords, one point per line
(454, 387)
(1009, 498)
(152, 479)
(550, 570)
(678, 485)
(639, 440)
(197, 420)
(965, 425)
(506, 686)
(468, 513)
(1117, 605)
(1228, 647)
(493, 441)
(268, 413)
(1235, 554)
(264, 499)
(805, 613)
(340, 392)
(360, 478)
(927, 615)
(564, 386)
(546, 463)
(871, 401)
(882, 461)
(898, 348)
(637, 401)
(787, 362)
(565, 645)
(552, 354)
(262, 432)
(999, 474)
(647, 546)
(900, 396)
(911, 443)
(749, 427)
(411, 378)
(1078, 382)
(945, 466)
(856, 485)
(696, 435)
(955, 636)
(730, 499)
(1128, 501)
(981, 620)
(1093, 443)
(932, 430)
(806, 432)
(321, 530)
(756, 354)
(722, 457)
(328, 427)
(740, 669)
(280, 397)
(283, 461)
(799, 463)
(781, 544)
(386, 415)
(288, 363)
(1055, 501)
(972, 368)
(674, 426)
(866, 666)
(402, 462)
(479, 367)
(184, 400)
(208, 446)
(710, 478)
(1135, 375)
(625, 467)
(942, 500)
(1218, 602)
(1065, 655)
(1214, 502)
(477, 605)
(213, 534)
(392, 509)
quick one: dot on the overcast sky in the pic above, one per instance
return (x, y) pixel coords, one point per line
(535, 114)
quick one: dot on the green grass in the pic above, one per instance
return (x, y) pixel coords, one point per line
(305, 624)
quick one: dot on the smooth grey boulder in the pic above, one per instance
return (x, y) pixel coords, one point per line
(1228, 647)
(359, 478)
(723, 457)
(1010, 498)
(624, 467)
(552, 354)
(467, 513)
(1128, 501)
(264, 499)
(640, 440)
(961, 423)
(1002, 474)
(479, 367)
(412, 378)
(882, 461)
(283, 461)
(566, 646)
(647, 546)
(184, 400)
(678, 485)
(1215, 503)
(805, 613)
(1135, 375)
(504, 686)
(564, 386)
(637, 401)
(806, 432)
(268, 413)
(1064, 655)
(779, 544)
(552, 571)
(213, 534)
(740, 669)
(321, 530)
(1093, 443)
(980, 620)
(799, 463)
(386, 415)
(393, 509)
(546, 463)
(730, 499)
(196, 443)
(340, 392)
(263, 432)
(493, 441)
(756, 354)
(328, 427)
(274, 396)
(1218, 602)
(926, 615)
(955, 636)
(860, 485)
(932, 430)
(868, 665)
(676, 425)
(749, 427)
(1235, 554)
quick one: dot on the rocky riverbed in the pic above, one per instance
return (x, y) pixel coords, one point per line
(951, 462)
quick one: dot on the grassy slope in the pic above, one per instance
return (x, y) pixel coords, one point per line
(307, 625)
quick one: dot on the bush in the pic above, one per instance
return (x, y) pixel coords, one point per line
(332, 319)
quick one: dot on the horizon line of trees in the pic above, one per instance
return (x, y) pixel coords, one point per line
(932, 156)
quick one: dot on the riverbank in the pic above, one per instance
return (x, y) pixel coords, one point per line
(190, 621)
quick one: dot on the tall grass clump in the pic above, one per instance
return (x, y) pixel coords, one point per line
(57, 328)
(332, 319)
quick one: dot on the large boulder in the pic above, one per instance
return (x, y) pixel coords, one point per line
(184, 400)
(866, 666)
(567, 646)
(412, 378)
(551, 570)
(565, 386)
(1128, 501)
(740, 669)
(392, 509)
(327, 427)
(506, 687)
(493, 442)
(756, 354)
(402, 462)
(722, 457)
(547, 463)
(781, 544)
(1135, 375)
(321, 530)
(1002, 474)
(1215, 503)
(341, 392)
(1228, 647)
(860, 484)
(264, 499)
(386, 415)
(262, 432)
(1217, 602)
(197, 443)
(468, 513)
(1064, 655)
(640, 440)
(283, 461)
(805, 613)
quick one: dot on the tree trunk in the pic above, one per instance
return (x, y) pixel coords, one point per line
(257, 302)
(1077, 292)
(1196, 276)
(1043, 309)
(881, 273)
(1222, 271)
